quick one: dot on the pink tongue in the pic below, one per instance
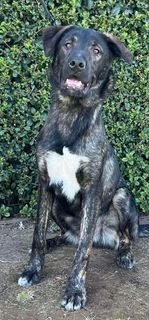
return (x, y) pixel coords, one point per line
(74, 83)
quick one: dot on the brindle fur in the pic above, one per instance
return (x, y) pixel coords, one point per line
(103, 212)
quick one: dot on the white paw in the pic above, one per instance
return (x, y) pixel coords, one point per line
(23, 282)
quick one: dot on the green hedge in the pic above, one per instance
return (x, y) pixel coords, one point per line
(26, 93)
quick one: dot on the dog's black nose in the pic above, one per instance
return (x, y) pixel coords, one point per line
(77, 63)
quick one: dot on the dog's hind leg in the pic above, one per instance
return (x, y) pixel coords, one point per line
(125, 257)
(33, 271)
(124, 204)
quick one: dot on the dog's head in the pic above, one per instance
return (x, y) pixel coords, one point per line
(81, 58)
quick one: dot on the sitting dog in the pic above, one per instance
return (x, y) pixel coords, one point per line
(80, 183)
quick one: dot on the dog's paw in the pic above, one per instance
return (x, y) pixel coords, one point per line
(125, 260)
(28, 278)
(75, 300)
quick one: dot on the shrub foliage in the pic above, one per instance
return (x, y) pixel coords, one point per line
(26, 93)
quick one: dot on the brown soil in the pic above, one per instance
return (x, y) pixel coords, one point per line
(113, 293)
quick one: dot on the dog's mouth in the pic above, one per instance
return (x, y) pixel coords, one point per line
(76, 86)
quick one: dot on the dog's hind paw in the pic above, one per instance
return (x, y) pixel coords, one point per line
(74, 301)
(125, 260)
(28, 278)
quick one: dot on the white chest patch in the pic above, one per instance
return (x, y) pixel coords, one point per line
(62, 170)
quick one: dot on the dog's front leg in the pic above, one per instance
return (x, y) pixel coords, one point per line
(32, 272)
(75, 293)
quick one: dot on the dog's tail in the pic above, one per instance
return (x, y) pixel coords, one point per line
(143, 231)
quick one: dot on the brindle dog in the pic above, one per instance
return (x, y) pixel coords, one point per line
(80, 184)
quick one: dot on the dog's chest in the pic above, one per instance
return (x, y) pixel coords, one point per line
(62, 171)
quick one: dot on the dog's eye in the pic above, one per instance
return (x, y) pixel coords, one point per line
(68, 45)
(97, 50)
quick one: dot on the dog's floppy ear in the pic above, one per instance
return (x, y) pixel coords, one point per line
(50, 36)
(117, 48)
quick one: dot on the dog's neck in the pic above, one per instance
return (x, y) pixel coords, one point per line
(73, 121)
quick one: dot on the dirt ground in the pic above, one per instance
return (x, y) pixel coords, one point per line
(113, 293)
